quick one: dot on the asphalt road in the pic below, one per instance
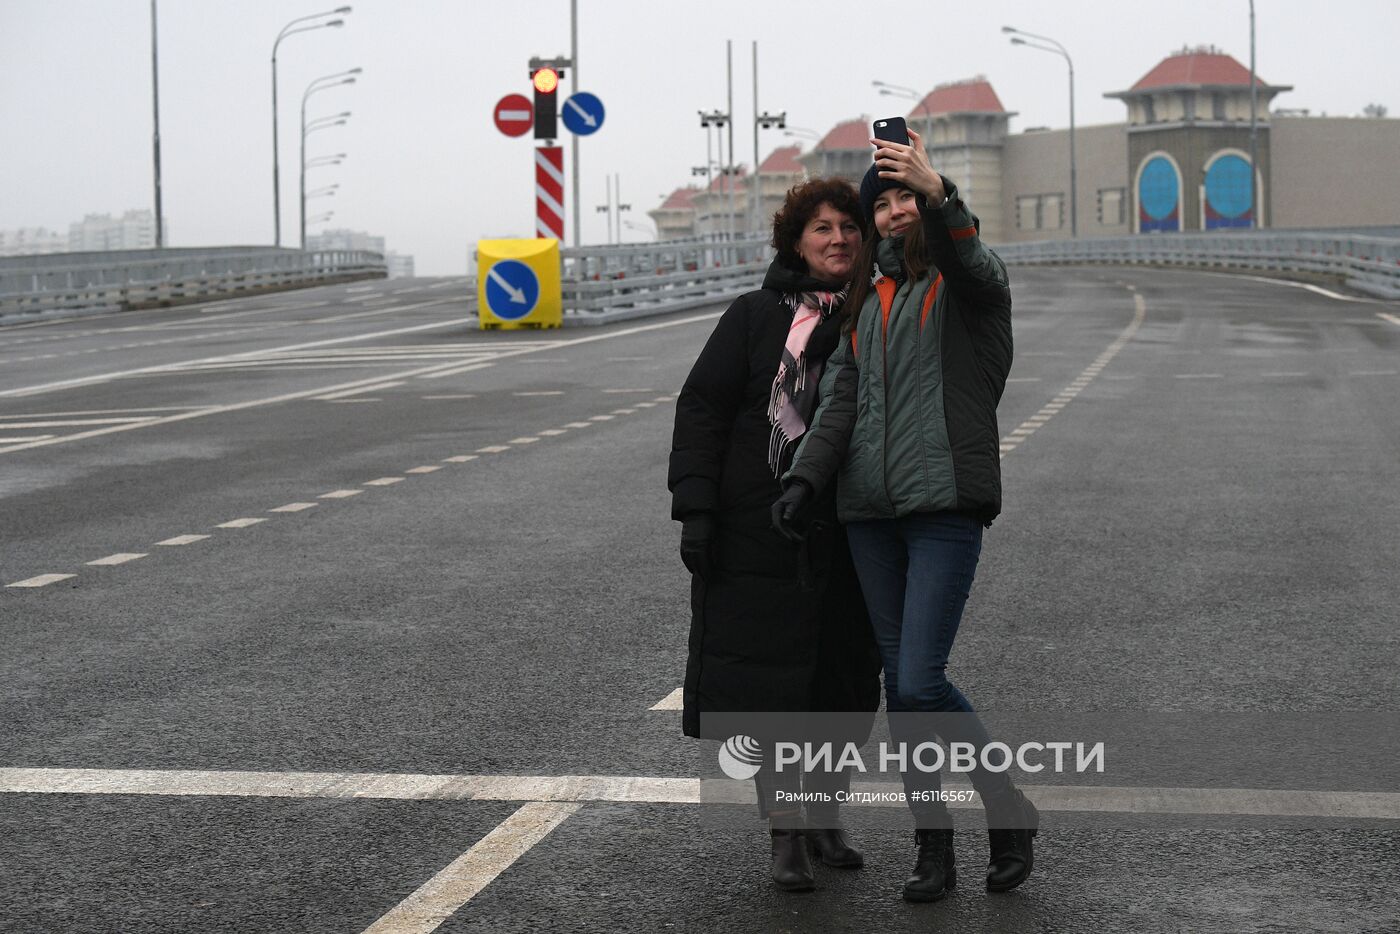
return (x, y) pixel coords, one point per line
(340, 531)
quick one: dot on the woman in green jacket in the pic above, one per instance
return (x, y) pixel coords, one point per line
(908, 421)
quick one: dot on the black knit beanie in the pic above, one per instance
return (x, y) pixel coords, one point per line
(870, 187)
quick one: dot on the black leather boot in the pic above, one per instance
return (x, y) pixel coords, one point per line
(830, 845)
(792, 869)
(1012, 822)
(934, 872)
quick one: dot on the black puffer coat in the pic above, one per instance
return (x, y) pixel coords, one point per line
(778, 627)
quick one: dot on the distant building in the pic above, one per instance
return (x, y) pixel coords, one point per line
(29, 241)
(1180, 162)
(721, 206)
(341, 239)
(675, 218)
(134, 230)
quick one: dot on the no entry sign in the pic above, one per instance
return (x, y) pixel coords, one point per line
(514, 115)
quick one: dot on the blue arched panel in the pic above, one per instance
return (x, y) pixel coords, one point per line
(1159, 196)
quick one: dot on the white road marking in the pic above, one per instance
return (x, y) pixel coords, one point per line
(551, 432)
(645, 405)
(241, 523)
(625, 391)
(293, 507)
(1391, 318)
(1373, 373)
(461, 395)
(1287, 283)
(624, 411)
(429, 468)
(22, 439)
(525, 440)
(459, 459)
(182, 540)
(578, 425)
(75, 422)
(1199, 376)
(384, 481)
(493, 449)
(455, 371)
(1026, 428)
(121, 557)
(601, 418)
(672, 701)
(340, 494)
(641, 789)
(445, 893)
(331, 397)
(43, 580)
(540, 392)
(353, 400)
(272, 400)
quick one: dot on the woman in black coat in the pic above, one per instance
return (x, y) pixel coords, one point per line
(776, 625)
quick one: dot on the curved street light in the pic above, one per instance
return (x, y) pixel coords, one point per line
(319, 84)
(1020, 37)
(803, 132)
(290, 29)
(319, 161)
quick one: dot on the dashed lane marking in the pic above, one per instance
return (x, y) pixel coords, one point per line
(182, 540)
(552, 432)
(1391, 318)
(241, 523)
(579, 425)
(427, 468)
(601, 418)
(384, 481)
(540, 392)
(21, 439)
(493, 449)
(340, 494)
(445, 893)
(1066, 395)
(525, 440)
(353, 400)
(456, 370)
(459, 458)
(672, 701)
(460, 395)
(43, 580)
(293, 507)
(1199, 376)
(624, 411)
(121, 557)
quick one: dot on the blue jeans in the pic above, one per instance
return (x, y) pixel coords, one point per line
(916, 573)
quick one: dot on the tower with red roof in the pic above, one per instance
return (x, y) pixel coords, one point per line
(1188, 144)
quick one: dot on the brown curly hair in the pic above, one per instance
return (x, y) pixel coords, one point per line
(801, 205)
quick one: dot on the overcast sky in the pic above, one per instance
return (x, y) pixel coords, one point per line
(428, 170)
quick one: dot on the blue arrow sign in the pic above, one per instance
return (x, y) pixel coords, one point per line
(582, 113)
(512, 289)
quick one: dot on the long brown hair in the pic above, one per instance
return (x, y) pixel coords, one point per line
(916, 263)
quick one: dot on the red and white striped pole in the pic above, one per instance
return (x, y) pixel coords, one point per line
(549, 192)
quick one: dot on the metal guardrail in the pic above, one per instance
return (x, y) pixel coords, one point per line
(606, 284)
(1368, 264)
(122, 279)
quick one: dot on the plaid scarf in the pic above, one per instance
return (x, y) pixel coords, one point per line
(794, 396)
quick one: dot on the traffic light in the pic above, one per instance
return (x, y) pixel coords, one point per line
(546, 81)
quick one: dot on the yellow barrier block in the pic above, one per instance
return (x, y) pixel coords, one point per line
(517, 284)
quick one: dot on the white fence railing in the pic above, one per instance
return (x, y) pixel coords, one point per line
(122, 279)
(1366, 263)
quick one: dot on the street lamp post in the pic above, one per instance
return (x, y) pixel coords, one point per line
(319, 84)
(1055, 48)
(719, 120)
(321, 123)
(290, 29)
(155, 136)
(1253, 129)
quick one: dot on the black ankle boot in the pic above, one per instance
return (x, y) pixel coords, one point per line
(830, 845)
(1012, 822)
(934, 873)
(792, 869)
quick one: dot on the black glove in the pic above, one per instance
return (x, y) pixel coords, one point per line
(787, 511)
(697, 538)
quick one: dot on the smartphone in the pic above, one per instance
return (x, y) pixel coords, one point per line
(892, 129)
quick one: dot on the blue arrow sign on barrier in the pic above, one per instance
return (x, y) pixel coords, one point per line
(512, 289)
(582, 113)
